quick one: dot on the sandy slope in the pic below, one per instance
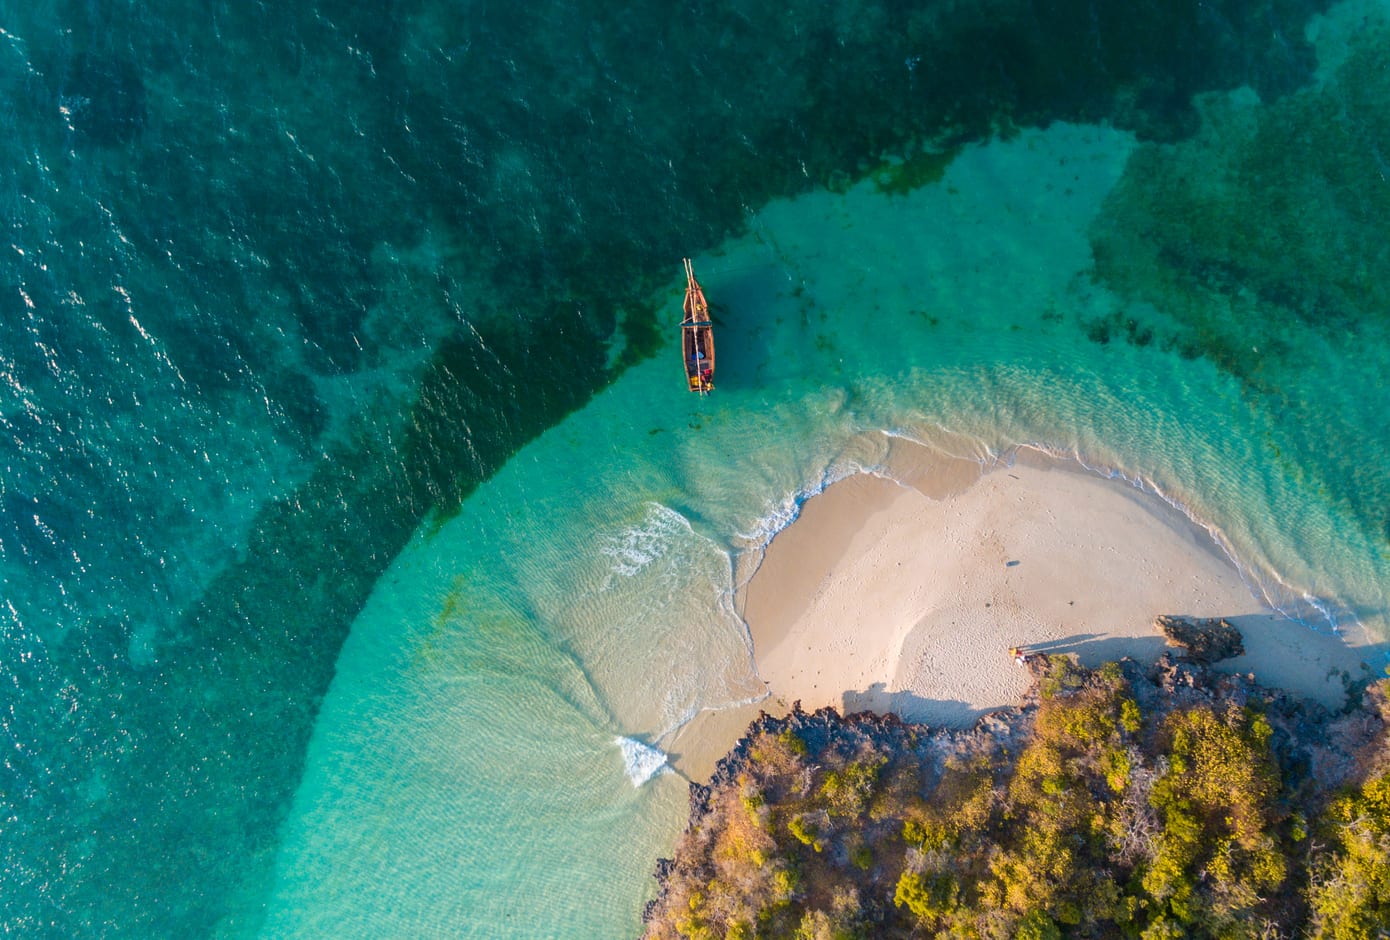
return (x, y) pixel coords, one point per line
(908, 595)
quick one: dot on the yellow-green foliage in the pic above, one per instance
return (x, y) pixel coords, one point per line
(777, 754)
(826, 925)
(1076, 737)
(1350, 894)
(1223, 765)
(1032, 874)
(1116, 766)
(1216, 801)
(752, 797)
(784, 883)
(961, 802)
(1082, 723)
(1037, 926)
(1164, 929)
(1100, 821)
(743, 838)
(1169, 877)
(930, 898)
(792, 742)
(1130, 717)
(804, 831)
(1043, 870)
(1062, 675)
(1045, 787)
(847, 790)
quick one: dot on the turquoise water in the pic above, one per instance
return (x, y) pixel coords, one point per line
(362, 548)
(630, 584)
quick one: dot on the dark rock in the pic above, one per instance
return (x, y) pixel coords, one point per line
(1207, 640)
(700, 797)
(1318, 751)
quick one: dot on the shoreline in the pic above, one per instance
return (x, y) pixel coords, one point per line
(907, 591)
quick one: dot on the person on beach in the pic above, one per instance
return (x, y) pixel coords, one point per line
(1017, 654)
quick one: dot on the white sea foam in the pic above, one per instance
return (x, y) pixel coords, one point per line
(780, 513)
(636, 547)
(776, 516)
(641, 761)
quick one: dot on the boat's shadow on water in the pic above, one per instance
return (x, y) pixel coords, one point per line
(743, 306)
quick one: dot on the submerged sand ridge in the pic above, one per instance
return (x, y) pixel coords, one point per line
(907, 594)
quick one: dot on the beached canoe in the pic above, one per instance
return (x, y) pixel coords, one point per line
(697, 336)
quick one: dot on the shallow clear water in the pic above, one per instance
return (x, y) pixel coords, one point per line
(357, 532)
(617, 533)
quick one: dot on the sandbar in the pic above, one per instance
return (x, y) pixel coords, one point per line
(905, 590)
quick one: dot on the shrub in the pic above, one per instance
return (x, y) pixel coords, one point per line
(1062, 675)
(792, 741)
(1090, 828)
(1036, 925)
(930, 897)
(1115, 764)
(1217, 802)
(1350, 889)
(848, 790)
(1224, 767)
(784, 883)
(805, 832)
(1131, 719)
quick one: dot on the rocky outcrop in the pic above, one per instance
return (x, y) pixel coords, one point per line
(1207, 640)
(818, 824)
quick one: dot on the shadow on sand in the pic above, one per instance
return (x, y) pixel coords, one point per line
(950, 713)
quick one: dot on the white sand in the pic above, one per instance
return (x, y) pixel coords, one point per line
(907, 594)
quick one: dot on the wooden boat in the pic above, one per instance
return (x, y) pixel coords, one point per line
(697, 336)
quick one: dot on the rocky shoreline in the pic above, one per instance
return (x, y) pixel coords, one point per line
(860, 862)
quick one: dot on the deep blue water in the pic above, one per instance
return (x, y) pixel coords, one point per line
(281, 280)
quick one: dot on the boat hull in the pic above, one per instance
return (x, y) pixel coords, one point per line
(697, 337)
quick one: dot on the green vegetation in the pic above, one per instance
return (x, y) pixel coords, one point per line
(1118, 803)
(1350, 894)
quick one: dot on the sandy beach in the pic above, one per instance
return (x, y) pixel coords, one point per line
(905, 592)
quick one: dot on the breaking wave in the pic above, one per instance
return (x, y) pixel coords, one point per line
(641, 761)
